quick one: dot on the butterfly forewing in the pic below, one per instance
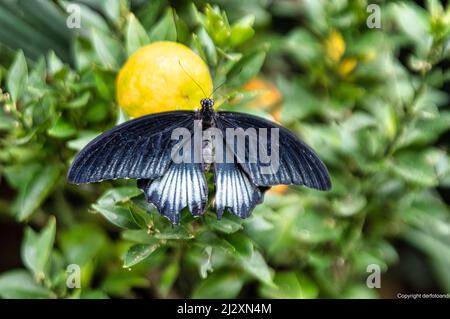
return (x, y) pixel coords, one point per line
(139, 148)
(297, 163)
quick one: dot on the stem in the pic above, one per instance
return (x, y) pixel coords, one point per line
(407, 110)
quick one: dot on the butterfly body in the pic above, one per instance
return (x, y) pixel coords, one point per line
(169, 153)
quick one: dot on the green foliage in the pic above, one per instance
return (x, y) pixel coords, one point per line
(372, 114)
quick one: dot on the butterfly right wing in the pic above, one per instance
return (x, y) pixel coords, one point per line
(139, 148)
(296, 162)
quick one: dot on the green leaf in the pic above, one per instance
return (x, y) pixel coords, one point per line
(136, 35)
(359, 291)
(118, 195)
(120, 282)
(17, 79)
(386, 119)
(94, 294)
(250, 259)
(349, 205)
(19, 284)
(7, 122)
(208, 46)
(413, 21)
(257, 266)
(182, 29)
(54, 63)
(219, 286)
(414, 168)
(247, 68)
(62, 129)
(141, 216)
(150, 11)
(228, 224)
(168, 278)
(174, 232)
(424, 131)
(303, 46)
(108, 49)
(37, 247)
(242, 31)
(20, 174)
(197, 46)
(81, 243)
(83, 54)
(310, 227)
(242, 244)
(138, 253)
(206, 239)
(36, 79)
(79, 101)
(118, 215)
(216, 23)
(165, 29)
(139, 236)
(33, 193)
(289, 285)
(81, 141)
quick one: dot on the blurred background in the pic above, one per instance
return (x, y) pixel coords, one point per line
(365, 83)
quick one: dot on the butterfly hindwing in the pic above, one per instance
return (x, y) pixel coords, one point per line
(235, 191)
(297, 162)
(139, 148)
(182, 185)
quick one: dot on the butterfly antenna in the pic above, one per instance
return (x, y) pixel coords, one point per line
(193, 80)
(221, 84)
(218, 87)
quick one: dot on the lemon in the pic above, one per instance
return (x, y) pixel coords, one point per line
(161, 77)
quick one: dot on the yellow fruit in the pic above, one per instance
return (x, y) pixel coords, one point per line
(278, 189)
(269, 98)
(335, 46)
(347, 66)
(269, 95)
(156, 78)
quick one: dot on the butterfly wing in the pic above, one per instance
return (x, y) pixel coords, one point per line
(235, 191)
(139, 148)
(183, 185)
(296, 163)
(142, 149)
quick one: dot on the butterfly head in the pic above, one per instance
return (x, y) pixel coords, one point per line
(207, 104)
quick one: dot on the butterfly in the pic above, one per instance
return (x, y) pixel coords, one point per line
(170, 170)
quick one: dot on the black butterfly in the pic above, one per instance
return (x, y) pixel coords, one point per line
(143, 149)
